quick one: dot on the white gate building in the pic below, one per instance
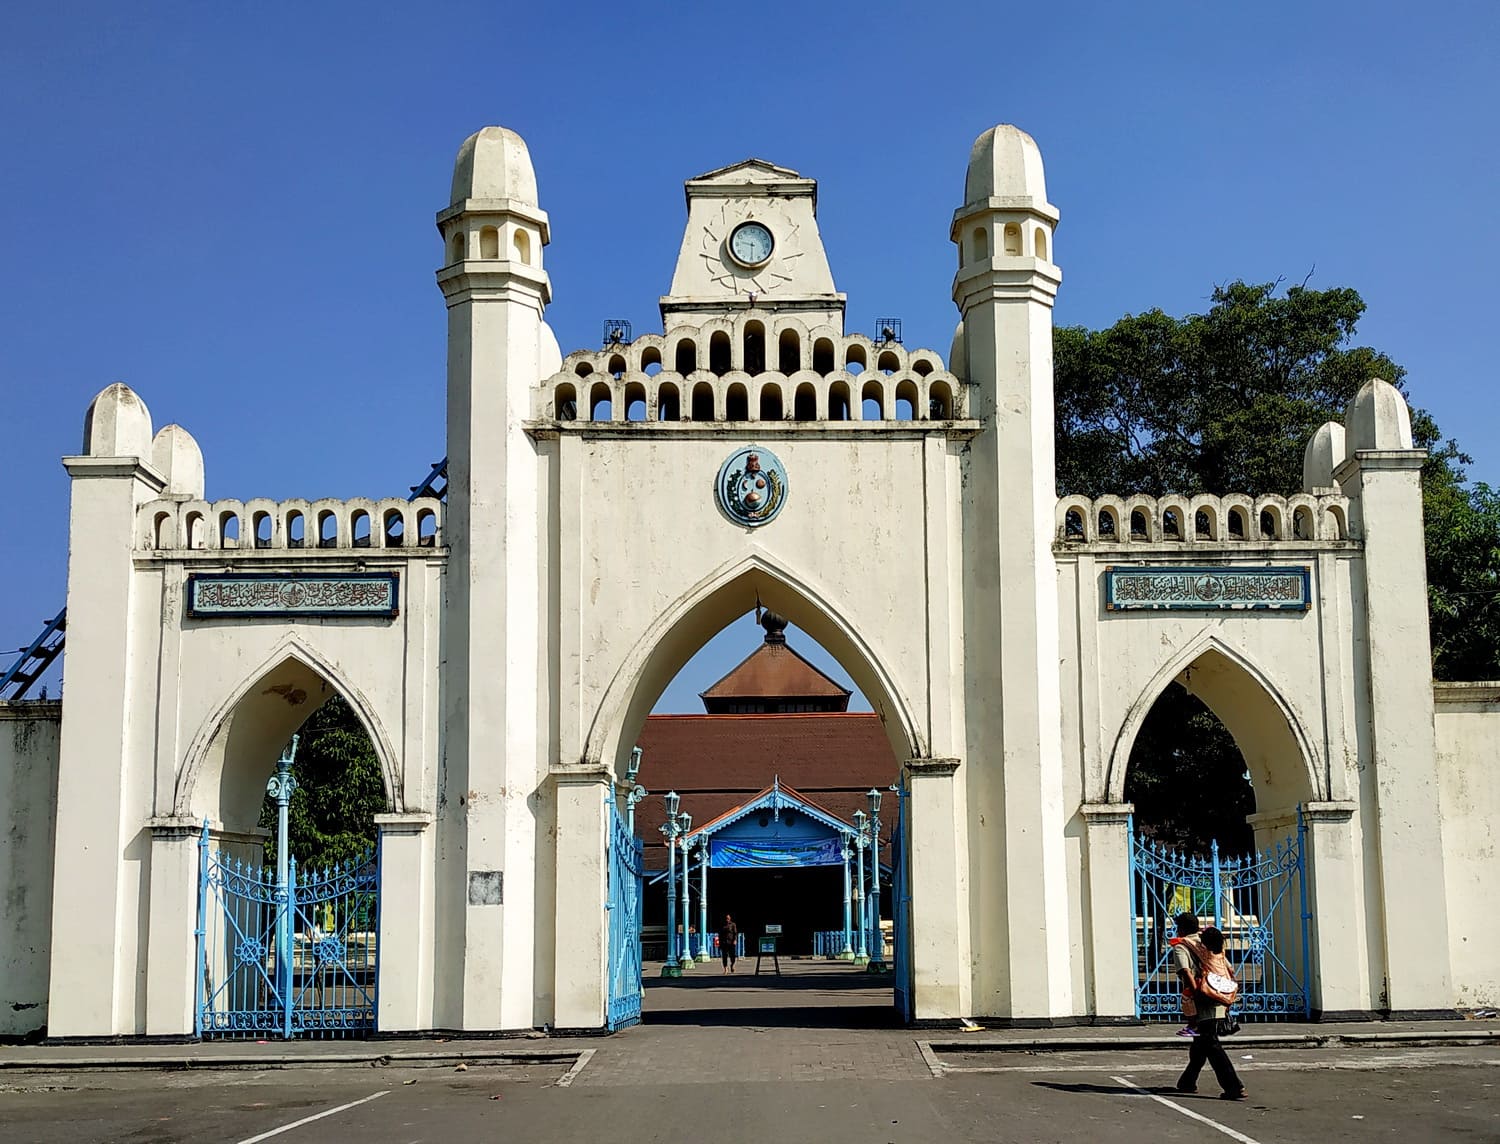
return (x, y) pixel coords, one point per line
(503, 647)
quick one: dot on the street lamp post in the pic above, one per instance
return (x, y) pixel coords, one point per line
(685, 824)
(877, 955)
(703, 899)
(861, 950)
(847, 954)
(669, 831)
(636, 791)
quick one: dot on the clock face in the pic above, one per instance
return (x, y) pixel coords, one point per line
(750, 244)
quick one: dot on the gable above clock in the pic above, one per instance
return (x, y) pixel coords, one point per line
(752, 240)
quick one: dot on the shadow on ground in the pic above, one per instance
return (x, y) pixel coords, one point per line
(806, 995)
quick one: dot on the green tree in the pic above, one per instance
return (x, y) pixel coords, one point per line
(339, 790)
(1225, 401)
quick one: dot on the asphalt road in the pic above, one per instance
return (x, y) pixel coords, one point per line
(1297, 1095)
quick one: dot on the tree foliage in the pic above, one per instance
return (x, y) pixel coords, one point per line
(1188, 779)
(1225, 401)
(339, 790)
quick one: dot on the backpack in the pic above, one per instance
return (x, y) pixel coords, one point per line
(1217, 982)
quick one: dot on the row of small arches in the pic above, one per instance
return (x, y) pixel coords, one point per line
(750, 349)
(1143, 520)
(290, 525)
(1012, 243)
(909, 399)
(485, 244)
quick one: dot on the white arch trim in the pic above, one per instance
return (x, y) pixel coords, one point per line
(217, 723)
(672, 639)
(1124, 744)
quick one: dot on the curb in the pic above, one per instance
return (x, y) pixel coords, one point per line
(1261, 1040)
(183, 1063)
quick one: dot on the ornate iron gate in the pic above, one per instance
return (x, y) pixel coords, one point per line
(283, 953)
(901, 911)
(1259, 901)
(623, 901)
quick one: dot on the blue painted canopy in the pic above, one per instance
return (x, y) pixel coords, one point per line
(777, 828)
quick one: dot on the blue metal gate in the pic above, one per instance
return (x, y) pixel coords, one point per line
(1258, 901)
(623, 901)
(901, 911)
(283, 953)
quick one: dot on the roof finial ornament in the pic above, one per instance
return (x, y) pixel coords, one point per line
(775, 626)
(757, 607)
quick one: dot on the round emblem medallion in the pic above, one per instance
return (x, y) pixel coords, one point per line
(752, 486)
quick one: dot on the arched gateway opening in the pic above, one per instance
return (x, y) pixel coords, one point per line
(287, 783)
(1217, 772)
(773, 800)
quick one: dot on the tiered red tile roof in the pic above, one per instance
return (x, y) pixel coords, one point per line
(718, 761)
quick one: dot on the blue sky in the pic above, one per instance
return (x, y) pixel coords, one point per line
(231, 207)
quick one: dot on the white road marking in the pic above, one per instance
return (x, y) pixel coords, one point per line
(572, 1074)
(315, 1116)
(1198, 1116)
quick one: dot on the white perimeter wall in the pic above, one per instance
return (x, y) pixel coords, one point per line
(1468, 742)
(29, 736)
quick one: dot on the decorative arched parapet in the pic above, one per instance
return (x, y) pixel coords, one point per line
(1174, 519)
(1240, 520)
(1211, 511)
(1142, 524)
(703, 610)
(226, 517)
(1274, 507)
(1085, 528)
(1111, 509)
(170, 525)
(256, 720)
(1302, 518)
(260, 525)
(1285, 766)
(1233, 519)
(330, 521)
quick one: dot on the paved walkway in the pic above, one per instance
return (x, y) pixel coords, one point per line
(817, 1017)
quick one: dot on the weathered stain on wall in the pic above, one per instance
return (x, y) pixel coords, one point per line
(29, 736)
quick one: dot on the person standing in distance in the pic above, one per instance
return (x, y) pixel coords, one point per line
(729, 939)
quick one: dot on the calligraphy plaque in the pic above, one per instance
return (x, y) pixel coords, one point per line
(1175, 588)
(235, 594)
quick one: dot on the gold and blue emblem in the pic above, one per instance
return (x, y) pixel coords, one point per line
(752, 486)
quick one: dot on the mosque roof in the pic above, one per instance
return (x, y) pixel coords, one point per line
(775, 671)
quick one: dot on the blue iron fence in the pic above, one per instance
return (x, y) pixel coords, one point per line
(286, 956)
(623, 905)
(1258, 901)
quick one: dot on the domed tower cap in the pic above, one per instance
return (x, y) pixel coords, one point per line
(176, 456)
(493, 163)
(117, 424)
(1378, 418)
(1005, 163)
(1325, 452)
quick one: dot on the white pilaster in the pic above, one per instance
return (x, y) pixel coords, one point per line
(90, 995)
(406, 922)
(581, 920)
(1384, 486)
(1004, 290)
(494, 757)
(939, 942)
(171, 944)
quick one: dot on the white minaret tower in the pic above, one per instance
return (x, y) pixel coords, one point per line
(498, 347)
(1004, 289)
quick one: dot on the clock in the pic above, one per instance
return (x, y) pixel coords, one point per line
(750, 244)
